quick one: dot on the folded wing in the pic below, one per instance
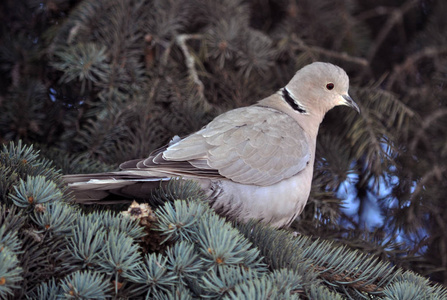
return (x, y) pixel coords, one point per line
(251, 145)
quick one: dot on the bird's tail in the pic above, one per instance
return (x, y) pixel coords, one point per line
(112, 187)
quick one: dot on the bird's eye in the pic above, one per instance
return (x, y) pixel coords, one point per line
(330, 86)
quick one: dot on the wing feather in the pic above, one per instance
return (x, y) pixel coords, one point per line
(251, 145)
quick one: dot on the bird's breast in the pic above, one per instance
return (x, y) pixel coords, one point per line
(276, 204)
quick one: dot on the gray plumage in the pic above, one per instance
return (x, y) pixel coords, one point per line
(253, 162)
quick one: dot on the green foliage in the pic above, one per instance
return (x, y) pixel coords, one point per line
(120, 254)
(73, 164)
(29, 122)
(237, 283)
(84, 62)
(179, 220)
(371, 137)
(55, 218)
(184, 262)
(11, 218)
(34, 191)
(46, 290)
(18, 163)
(322, 292)
(10, 270)
(110, 221)
(153, 275)
(219, 243)
(84, 285)
(176, 189)
(11, 273)
(46, 240)
(87, 241)
(57, 250)
(340, 268)
(411, 286)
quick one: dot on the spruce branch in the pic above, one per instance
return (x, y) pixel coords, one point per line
(342, 269)
(35, 190)
(44, 256)
(426, 123)
(395, 17)
(153, 275)
(86, 243)
(239, 283)
(177, 189)
(10, 270)
(436, 172)
(256, 53)
(85, 285)
(299, 44)
(23, 114)
(410, 62)
(9, 240)
(184, 262)
(223, 40)
(322, 292)
(74, 164)
(211, 12)
(12, 218)
(408, 285)
(112, 221)
(120, 255)
(176, 293)
(46, 290)
(19, 162)
(222, 281)
(222, 245)
(86, 62)
(55, 218)
(179, 220)
(190, 63)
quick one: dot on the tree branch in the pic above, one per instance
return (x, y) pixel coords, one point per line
(435, 172)
(190, 64)
(340, 55)
(427, 122)
(411, 60)
(395, 17)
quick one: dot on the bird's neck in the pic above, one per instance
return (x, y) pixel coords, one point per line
(309, 121)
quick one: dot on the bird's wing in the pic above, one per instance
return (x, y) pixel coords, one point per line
(250, 145)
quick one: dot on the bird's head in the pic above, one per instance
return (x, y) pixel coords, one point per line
(318, 87)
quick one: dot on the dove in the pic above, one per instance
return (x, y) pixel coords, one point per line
(253, 162)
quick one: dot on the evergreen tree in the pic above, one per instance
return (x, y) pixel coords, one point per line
(88, 84)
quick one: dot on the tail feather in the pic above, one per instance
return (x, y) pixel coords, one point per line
(121, 186)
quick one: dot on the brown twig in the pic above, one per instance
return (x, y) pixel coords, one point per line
(427, 122)
(350, 281)
(436, 171)
(300, 45)
(411, 60)
(190, 64)
(395, 17)
(375, 12)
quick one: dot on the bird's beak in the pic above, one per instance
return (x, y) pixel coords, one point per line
(349, 102)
